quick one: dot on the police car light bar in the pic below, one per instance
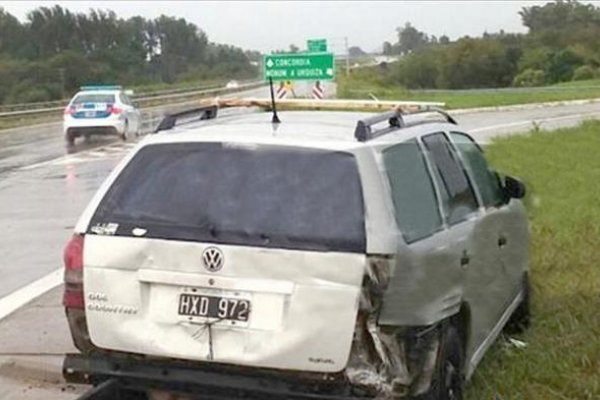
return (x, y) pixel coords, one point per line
(101, 87)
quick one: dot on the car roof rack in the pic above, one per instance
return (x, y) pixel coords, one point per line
(191, 115)
(364, 128)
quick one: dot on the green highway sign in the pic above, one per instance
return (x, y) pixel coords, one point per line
(316, 45)
(299, 66)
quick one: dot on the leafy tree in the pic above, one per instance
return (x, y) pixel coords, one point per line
(11, 34)
(387, 48)
(530, 78)
(563, 37)
(56, 45)
(355, 51)
(410, 38)
(562, 64)
(472, 63)
(583, 73)
(254, 56)
(420, 70)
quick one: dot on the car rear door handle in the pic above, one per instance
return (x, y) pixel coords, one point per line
(502, 241)
(465, 259)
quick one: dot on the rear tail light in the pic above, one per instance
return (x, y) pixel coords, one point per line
(73, 258)
(114, 110)
(69, 110)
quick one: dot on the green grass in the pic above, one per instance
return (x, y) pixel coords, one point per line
(153, 87)
(562, 357)
(587, 82)
(8, 123)
(355, 88)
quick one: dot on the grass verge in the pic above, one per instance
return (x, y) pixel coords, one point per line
(9, 123)
(562, 357)
(356, 88)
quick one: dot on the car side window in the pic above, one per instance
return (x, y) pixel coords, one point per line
(124, 99)
(413, 194)
(457, 195)
(487, 181)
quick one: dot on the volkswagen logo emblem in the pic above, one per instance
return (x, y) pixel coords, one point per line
(213, 259)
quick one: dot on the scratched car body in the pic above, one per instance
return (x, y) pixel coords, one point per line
(383, 262)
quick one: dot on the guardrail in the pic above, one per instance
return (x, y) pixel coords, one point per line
(144, 100)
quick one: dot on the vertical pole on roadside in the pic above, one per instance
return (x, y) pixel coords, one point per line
(347, 56)
(275, 119)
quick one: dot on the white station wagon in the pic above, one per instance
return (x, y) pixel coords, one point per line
(336, 255)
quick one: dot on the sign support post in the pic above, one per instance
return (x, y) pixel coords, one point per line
(275, 119)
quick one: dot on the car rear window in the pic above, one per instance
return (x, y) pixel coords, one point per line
(269, 196)
(94, 98)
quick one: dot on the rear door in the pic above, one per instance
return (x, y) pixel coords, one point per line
(473, 236)
(427, 280)
(223, 252)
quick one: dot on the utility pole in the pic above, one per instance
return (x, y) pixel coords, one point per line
(347, 56)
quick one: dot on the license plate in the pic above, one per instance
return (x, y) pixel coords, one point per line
(214, 307)
(90, 114)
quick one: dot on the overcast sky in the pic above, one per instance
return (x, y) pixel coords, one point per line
(270, 25)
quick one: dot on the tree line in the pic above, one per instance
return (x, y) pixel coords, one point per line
(561, 44)
(55, 51)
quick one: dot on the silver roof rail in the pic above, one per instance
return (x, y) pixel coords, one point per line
(364, 128)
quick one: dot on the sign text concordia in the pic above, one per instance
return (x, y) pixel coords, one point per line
(299, 67)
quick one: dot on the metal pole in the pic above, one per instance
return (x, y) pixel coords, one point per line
(275, 118)
(347, 56)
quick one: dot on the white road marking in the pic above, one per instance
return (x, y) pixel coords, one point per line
(529, 121)
(22, 296)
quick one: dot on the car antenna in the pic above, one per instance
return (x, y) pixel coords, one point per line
(275, 119)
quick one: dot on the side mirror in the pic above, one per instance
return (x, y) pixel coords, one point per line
(514, 188)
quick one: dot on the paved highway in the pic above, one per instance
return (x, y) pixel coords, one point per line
(44, 187)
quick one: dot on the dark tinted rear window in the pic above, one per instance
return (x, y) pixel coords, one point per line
(262, 196)
(94, 98)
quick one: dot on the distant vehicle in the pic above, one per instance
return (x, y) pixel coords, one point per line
(232, 85)
(342, 255)
(101, 110)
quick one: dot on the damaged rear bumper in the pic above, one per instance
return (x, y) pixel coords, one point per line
(214, 382)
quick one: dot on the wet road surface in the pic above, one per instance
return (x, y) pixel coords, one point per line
(39, 143)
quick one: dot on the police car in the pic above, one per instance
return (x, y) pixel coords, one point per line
(101, 110)
(335, 255)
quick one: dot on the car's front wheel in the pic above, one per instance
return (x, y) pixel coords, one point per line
(70, 138)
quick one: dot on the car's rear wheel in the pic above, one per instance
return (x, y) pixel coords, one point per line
(70, 138)
(448, 380)
(125, 133)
